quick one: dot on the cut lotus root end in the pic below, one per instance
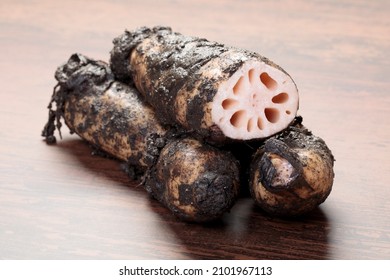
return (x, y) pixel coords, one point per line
(255, 102)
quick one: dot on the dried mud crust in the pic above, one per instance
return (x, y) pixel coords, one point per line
(79, 72)
(219, 91)
(292, 173)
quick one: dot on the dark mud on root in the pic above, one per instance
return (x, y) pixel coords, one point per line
(213, 195)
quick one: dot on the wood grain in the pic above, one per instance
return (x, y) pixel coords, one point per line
(60, 202)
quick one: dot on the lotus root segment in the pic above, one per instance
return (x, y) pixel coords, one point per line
(292, 173)
(219, 91)
(196, 181)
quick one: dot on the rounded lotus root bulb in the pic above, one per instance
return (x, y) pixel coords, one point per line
(197, 182)
(292, 173)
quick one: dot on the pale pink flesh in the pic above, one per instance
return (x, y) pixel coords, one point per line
(256, 102)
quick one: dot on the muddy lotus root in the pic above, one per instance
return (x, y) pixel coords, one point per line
(197, 182)
(219, 91)
(292, 172)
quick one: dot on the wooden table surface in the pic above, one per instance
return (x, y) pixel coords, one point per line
(60, 202)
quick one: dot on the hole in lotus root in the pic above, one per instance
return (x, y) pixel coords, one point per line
(271, 114)
(270, 83)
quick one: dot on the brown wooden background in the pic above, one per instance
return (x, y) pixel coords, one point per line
(59, 202)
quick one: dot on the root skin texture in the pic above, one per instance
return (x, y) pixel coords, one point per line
(218, 91)
(292, 173)
(197, 182)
